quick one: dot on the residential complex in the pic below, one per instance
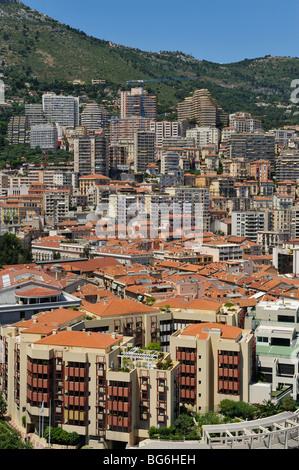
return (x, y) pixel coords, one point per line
(163, 264)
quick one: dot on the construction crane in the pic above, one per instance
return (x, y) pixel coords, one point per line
(150, 80)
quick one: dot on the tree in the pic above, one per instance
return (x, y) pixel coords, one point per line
(12, 250)
(227, 407)
(267, 408)
(62, 437)
(11, 439)
(3, 406)
(183, 423)
(56, 255)
(288, 404)
(245, 410)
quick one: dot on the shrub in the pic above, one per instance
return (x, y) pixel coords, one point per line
(62, 437)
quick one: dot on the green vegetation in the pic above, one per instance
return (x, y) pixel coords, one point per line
(3, 406)
(14, 156)
(244, 410)
(189, 425)
(9, 438)
(154, 346)
(35, 47)
(59, 436)
(184, 428)
(12, 250)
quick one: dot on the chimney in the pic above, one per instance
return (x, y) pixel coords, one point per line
(54, 332)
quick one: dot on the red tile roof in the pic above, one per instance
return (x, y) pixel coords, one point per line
(227, 331)
(80, 339)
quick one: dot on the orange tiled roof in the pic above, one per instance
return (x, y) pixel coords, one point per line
(227, 331)
(81, 339)
(37, 292)
(116, 306)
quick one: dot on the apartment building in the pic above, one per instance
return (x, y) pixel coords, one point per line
(283, 136)
(34, 113)
(226, 133)
(56, 204)
(202, 107)
(222, 251)
(18, 131)
(194, 202)
(94, 384)
(125, 207)
(247, 224)
(138, 102)
(276, 335)
(222, 185)
(90, 181)
(167, 129)
(216, 362)
(91, 156)
(238, 168)
(243, 122)
(260, 170)
(44, 136)
(63, 110)
(204, 136)
(281, 219)
(252, 146)
(270, 239)
(121, 155)
(287, 165)
(170, 162)
(286, 187)
(144, 150)
(92, 116)
(27, 291)
(127, 127)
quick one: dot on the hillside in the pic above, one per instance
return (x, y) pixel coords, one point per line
(38, 52)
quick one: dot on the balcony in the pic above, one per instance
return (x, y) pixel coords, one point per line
(75, 386)
(118, 406)
(187, 369)
(118, 391)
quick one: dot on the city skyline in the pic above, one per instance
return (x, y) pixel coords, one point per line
(168, 26)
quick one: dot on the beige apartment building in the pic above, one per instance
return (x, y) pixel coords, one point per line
(202, 107)
(95, 384)
(155, 323)
(216, 362)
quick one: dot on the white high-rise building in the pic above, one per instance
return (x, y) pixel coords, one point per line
(204, 136)
(167, 129)
(247, 224)
(243, 122)
(44, 136)
(60, 109)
